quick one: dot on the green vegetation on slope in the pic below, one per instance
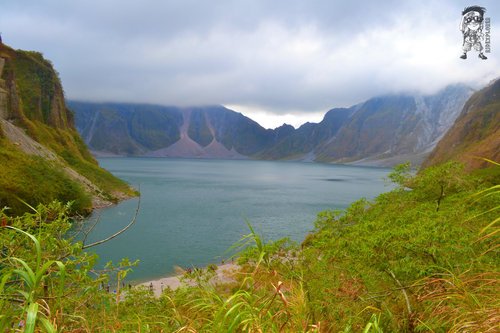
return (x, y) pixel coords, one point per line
(423, 257)
(381, 255)
(475, 133)
(35, 180)
(36, 104)
(68, 145)
(38, 85)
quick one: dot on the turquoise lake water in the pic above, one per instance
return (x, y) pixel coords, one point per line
(192, 210)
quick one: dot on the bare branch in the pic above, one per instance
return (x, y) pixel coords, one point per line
(118, 232)
(78, 224)
(403, 290)
(87, 232)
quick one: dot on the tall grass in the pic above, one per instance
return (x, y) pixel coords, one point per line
(468, 301)
(30, 286)
(396, 264)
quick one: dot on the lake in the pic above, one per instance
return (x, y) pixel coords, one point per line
(193, 210)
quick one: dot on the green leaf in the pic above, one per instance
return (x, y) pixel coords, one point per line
(27, 276)
(37, 244)
(489, 225)
(47, 325)
(25, 294)
(41, 271)
(4, 323)
(62, 272)
(235, 323)
(31, 318)
(4, 280)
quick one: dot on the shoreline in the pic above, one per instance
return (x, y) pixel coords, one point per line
(223, 274)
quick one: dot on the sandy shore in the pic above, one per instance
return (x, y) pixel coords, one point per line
(223, 274)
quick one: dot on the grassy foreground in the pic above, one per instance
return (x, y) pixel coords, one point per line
(421, 258)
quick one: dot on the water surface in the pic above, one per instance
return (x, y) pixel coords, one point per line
(192, 210)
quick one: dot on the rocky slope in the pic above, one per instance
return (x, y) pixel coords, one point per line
(38, 141)
(301, 143)
(384, 131)
(475, 133)
(151, 130)
(390, 129)
(119, 129)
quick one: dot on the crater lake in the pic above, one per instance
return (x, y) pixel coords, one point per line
(193, 210)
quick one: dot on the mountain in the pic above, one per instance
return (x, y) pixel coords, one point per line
(475, 133)
(42, 155)
(390, 129)
(160, 131)
(300, 143)
(385, 130)
(119, 129)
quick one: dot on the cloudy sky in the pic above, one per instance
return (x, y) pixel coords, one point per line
(275, 61)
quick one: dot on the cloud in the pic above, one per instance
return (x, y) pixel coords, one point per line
(279, 57)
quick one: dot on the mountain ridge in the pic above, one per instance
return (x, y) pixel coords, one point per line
(475, 135)
(375, 132)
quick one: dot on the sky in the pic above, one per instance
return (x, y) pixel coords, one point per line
(279, 61)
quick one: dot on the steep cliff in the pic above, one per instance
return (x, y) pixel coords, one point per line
(475, 133)
(42, 155)
(126, 129)
(161, 131)
(302, 143)
(390, 129)
(385, 130)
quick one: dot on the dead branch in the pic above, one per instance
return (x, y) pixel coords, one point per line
(87, 232)
(403, 290)
(118, 232)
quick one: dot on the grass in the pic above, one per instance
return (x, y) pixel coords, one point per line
(32, 281)
(35, 180)
(394, 264)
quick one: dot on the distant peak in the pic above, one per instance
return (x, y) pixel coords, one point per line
(285, 125)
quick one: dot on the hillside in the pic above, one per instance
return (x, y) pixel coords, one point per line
(475, 134)
(42, 155)
(385, 130)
